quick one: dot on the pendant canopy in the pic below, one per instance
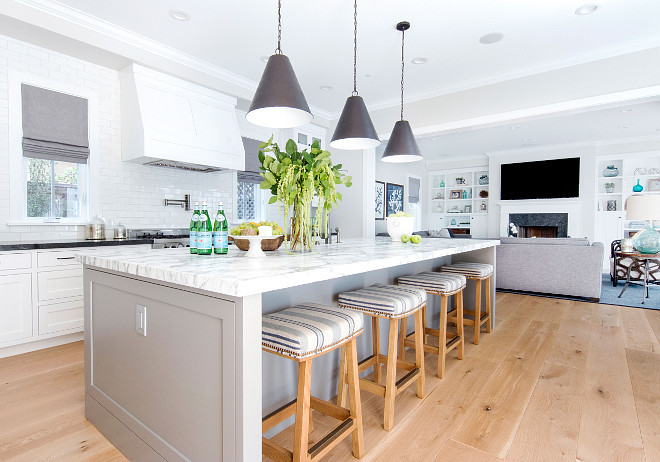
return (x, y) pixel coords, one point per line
(355, 129)
(279, 101)
(402, 146)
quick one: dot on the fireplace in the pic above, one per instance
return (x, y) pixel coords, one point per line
(538, 224)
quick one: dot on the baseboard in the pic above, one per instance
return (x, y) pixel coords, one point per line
(40, 344)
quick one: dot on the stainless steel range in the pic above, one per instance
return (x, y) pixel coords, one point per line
(163, 238)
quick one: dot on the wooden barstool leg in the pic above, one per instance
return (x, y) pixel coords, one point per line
(488, 307)
(341, 388)
(419, 352)
(375, 334)
(477, 313)
(403, 330)
(424, 324)
(301, 434)
(390, 379)
(442, 337)
(354, 398)
(459, 323)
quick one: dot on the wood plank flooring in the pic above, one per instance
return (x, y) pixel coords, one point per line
(555, 380)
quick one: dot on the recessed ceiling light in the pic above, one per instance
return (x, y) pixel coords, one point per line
(265, 58)
(626, 110)
(588, 8)
(623, 127)
(514, 127)
(368, 75)
(420, 60)
(325, 87)
(491, 38)
(179, 14)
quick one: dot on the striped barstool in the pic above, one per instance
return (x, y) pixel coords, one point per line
(444, 285)
(478, 272)
(393, 303)
(302, 333)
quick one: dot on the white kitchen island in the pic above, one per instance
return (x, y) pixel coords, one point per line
(194, 385)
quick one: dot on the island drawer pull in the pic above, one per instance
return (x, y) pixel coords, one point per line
(65, 258)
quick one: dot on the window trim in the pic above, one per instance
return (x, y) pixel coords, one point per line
(17, 172)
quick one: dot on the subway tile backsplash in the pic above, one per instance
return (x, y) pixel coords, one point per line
(130, 194)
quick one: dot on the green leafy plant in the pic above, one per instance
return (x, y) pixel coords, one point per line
(294, 178)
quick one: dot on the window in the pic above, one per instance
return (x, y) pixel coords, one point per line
(53, 188)
(246, 201)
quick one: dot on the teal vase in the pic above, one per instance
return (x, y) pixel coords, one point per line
(638, 187)
(647, 240)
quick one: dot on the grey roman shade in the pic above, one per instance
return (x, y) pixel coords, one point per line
(413, 190)
(252, 164)
(55, 125)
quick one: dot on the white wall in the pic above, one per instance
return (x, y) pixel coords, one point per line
(130, 194)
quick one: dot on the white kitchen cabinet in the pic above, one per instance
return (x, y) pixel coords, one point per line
(63, 283)
(304, 136)
(479, 226)
(609, 227)
(15, 307)
(60, 317)
(15, 261)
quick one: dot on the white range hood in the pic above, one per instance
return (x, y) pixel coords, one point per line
(170, 122)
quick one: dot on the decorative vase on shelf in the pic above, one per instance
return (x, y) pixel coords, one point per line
(453, 222)
(610, 171)
(609, 190)
(483, 179)
(442, 183)
(638, 187)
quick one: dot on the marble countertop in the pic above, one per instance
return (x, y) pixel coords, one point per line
(6, 246)
(234, 274)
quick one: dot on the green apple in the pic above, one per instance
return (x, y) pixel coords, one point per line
(416, 239)
(405, 238)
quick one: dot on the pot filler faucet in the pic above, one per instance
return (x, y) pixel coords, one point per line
(185, 202)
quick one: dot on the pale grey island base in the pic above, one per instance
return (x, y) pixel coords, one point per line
(195, 387)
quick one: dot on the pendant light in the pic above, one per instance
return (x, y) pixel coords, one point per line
(355, 129)
(402, 146)
(279, 101)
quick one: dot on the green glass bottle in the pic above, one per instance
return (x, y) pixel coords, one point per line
(220, 231)
(193, 228)
(204, 232)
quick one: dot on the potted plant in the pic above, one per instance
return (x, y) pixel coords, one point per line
(609, 188)
(295, 178)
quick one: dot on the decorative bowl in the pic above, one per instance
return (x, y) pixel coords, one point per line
(266, 244)
(398, 226)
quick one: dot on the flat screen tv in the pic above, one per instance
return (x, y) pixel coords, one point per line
(545, 179)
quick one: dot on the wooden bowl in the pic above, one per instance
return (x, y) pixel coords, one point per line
(268, 244)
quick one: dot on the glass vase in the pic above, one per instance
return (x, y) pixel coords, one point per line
(647, 240)
(301, 239)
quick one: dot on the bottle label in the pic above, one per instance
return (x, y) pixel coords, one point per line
(220, 240)
(204, 240)
(193, 239)
(220, 217)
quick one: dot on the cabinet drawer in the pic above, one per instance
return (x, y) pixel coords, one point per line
(61, 316)
(14, 261)
(60, 257)
(64, 283)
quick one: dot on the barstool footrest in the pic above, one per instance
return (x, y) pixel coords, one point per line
(328, 408)
(451, 317)
(330, 440)
(407, 379)
(278, 416)
(433, 349)
(275, 451)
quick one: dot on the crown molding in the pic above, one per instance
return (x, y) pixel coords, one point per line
(549, 66)
(127, 37)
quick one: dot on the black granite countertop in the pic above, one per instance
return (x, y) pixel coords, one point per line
(67, 243)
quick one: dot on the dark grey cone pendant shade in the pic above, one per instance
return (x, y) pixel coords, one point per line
(279, 101)
(355, 129)
(402, 146)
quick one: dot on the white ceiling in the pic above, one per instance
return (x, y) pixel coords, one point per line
(616, 123)
(317, 36)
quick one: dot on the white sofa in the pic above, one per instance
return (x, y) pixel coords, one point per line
(563, 266)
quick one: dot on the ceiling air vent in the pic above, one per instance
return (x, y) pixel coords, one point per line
(183, 166)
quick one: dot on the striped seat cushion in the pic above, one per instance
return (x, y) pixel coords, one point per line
(440, 283)
(471, 270)
(384, 300)
(308, 329)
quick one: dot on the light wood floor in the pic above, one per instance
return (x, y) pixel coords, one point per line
(556, 380)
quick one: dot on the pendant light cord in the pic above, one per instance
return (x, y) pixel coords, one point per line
(279, 28)
(355, 92)
(403, 62)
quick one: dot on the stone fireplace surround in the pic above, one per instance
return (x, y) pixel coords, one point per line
(558, 220)
(570, 208)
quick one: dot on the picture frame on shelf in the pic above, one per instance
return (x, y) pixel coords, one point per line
(467, 209)
(380, 200)
(455, 193)
(654, 184)
(394, 197)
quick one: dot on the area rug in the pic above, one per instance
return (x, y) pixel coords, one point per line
(609, 295)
